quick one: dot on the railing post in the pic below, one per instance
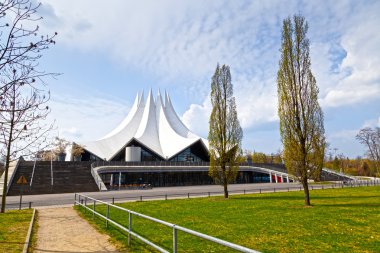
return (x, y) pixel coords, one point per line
(130, 228)
(30, 205)
(75, 199)
(260, 190)
(208, 194)
(188, 195)
(244, 191)
(113, 201)
(174, 239)
(93, 209)
(108, 214)
(166, 197)
(85, 204)
(140, 198)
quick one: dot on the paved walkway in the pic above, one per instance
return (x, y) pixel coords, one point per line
(62, 230)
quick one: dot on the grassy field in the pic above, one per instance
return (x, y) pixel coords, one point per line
(14, 227)
(340, 220)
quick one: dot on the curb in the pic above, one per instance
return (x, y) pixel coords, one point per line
(27, 240)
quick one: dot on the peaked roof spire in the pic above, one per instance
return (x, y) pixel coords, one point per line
(155, 125)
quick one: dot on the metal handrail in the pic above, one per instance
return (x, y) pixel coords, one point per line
(12, 176)
(79, 201)
(34, 167)
(245, 191)
(98, 180)
(338, 173)
(51, 172)
(176, 163)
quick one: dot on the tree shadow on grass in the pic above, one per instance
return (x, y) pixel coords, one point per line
(268, 198)
(301, 197)
(361, 205)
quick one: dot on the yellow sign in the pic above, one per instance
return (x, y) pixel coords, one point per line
(22, 180)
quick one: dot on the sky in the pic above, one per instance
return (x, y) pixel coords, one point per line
(107, 51)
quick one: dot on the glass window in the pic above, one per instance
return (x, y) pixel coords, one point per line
(186, 156)
(147, 156)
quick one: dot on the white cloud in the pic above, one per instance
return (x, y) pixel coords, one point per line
(348, 134)
(84, 120)
(197, 117)
(185, 40)
(360, 77)
(371, 123)
(180, 42)
(256, 101)
(71, 132)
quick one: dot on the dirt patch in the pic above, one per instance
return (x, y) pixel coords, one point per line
(62, 230)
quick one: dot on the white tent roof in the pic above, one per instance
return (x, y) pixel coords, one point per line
(154, 124)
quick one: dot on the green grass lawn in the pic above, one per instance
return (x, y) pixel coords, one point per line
(340, 220)
(14, 227)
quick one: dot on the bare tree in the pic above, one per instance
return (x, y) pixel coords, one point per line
(371, 139)
(301, 117)
(22, 95)
(225, 133)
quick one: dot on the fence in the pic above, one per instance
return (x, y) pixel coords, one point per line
(137, 197)
(84, 201)
(243, 191)
(23, 205)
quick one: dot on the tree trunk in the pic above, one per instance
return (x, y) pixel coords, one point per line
(306, 191)
(5, 186)
(8, 156)
(225, 181)
(225, 185)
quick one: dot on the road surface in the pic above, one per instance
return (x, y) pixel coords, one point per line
(66, 199)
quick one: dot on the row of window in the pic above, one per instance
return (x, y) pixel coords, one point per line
(160, 179)
(186, 156)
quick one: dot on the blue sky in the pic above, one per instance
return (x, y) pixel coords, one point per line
(108, 52)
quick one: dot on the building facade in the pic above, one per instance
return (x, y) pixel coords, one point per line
(152, 146)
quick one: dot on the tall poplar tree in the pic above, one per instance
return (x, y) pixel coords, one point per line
(301, 117)
(225, 133)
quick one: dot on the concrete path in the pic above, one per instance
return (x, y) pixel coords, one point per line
(63, 230)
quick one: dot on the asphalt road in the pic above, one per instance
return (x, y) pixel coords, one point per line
(148, 194)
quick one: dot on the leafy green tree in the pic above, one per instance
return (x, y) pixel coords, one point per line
(336, 163)
(225, 133)
(301, 117)
(277, 158)
(258, 157)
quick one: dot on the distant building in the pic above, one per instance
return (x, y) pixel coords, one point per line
(152, 131)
